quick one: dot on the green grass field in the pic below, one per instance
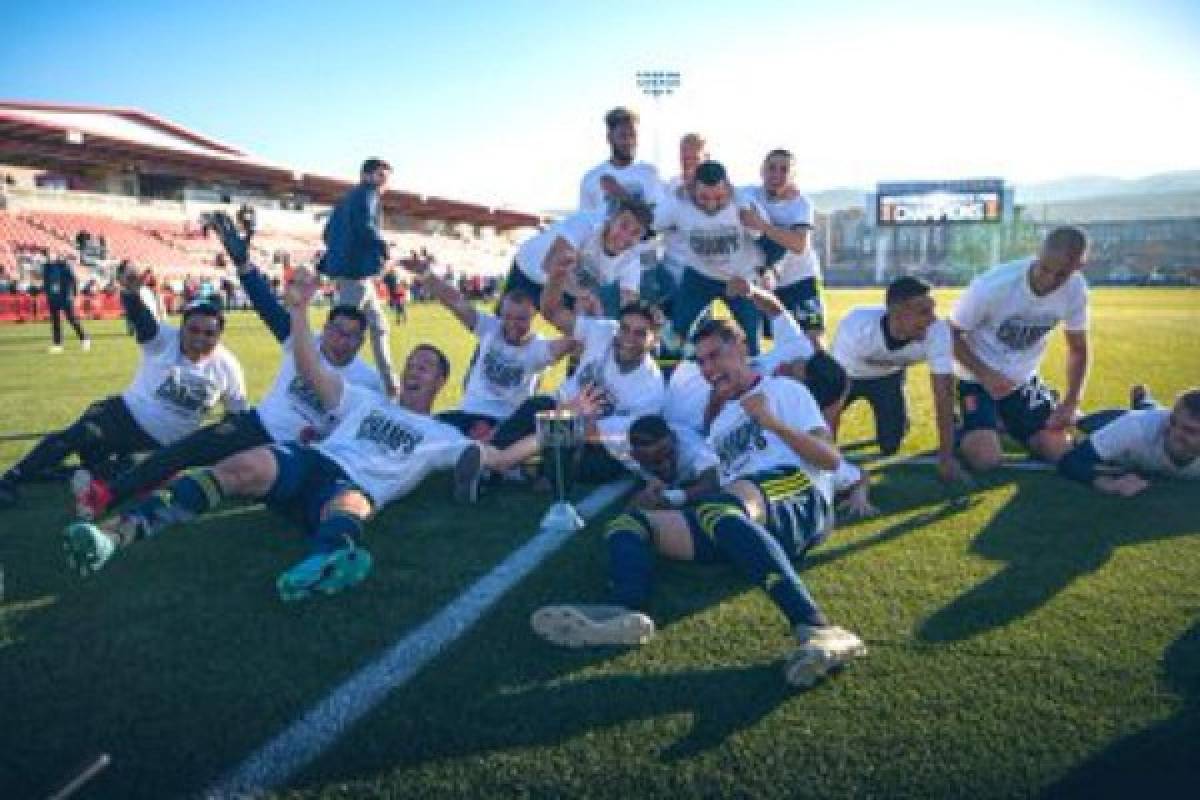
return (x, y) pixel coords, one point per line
(1033, 638)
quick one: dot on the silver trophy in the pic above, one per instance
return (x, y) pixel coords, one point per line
(560, 436)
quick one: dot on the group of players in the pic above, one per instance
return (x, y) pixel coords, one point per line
(734, 447)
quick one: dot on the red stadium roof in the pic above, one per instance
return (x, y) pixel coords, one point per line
(51, 136)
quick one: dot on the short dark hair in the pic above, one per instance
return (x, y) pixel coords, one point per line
(643, 309)
(517, 295)
(779, 152)
(724, 329)
(372, 164)
(348, 312)
(443, 362)
(641, 211)
(1191, 402)
(1068, 240)
(711, 173)
(904, 288)
(825, 378)
(620, 116)
(648, 430)
(204, 308)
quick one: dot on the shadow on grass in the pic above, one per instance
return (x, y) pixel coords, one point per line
(1161, 761)
(1049, 534)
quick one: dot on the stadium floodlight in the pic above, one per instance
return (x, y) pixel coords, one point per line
(657, 83)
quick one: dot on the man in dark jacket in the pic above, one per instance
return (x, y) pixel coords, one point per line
(58, 281)
(355, 253)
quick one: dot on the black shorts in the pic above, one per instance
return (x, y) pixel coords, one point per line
(305, 482)
(803, 300)
(886, 396)
(1023, 412)
(474, 426)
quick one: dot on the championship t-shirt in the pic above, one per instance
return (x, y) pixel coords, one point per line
(386, 449)
(503, 375)
(790, 213)
(594, 267)
(1137, 440)
(716, 245)
(170, 395)
(1007, 324)
(862, 349)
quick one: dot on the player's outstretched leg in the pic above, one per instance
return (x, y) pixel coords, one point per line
(338, 561)
(87, 548)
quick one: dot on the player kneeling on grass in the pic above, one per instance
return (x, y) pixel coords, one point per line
(380, 450)
(1146, 440)
(777, 467)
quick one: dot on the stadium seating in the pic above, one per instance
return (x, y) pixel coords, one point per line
(18, 234)
(124, 240)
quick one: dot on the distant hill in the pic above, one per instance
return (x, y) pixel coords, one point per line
(1065, 190)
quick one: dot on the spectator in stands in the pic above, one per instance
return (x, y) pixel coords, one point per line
(355, 252)
(82, 239)
(58, 281)
(397, 294)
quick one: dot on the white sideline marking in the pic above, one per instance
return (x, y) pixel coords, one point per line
(306, 738)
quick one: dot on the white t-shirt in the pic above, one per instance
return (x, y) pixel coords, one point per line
(639, 179)
(291, 410)
(861, 348)
(675, 247)
(503, 375)
(796, 212)
(584, 231)
(791, 343)
(1007, 323)
(386, 449)
(716, 245)
(744, 448)
(628, 395)
(170, 395)
(1137, 440)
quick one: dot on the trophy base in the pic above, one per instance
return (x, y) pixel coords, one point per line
(562, 517)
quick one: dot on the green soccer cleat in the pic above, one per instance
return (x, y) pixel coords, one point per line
(592, 625)
(327, 573)
(87, 548)
(822, 650)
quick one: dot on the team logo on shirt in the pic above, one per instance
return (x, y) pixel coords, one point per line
(389, 433)
(304, 394)
(724, 240)
(735, 444)
(1017, 333)
(502, 372)
(191, 393)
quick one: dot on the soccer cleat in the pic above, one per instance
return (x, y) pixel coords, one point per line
(468, 472)
(92, 495)
(55, 349)
(87, 548)
(85, 345)
(822, 650)
(591, 625)
(327, 573)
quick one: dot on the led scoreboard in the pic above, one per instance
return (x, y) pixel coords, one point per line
(941, 202)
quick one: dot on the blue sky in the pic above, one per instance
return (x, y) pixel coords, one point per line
(501, 102)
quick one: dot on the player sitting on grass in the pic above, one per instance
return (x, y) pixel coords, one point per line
(777, 466)
(183, 374)
(380, 450)
(1147, 440)
(291, 410)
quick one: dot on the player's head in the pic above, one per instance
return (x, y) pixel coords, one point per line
(720, 347)
(910, 307)
(777, 170)
(710, 188)
(693, 151)
(342, 334)
(1061, 255)
(376, 172)
(638, 324)
(201, 329)
(425, 372)
(1183, 429)
(626, 226)
(516, 315)
(653, 446)
(621, 124)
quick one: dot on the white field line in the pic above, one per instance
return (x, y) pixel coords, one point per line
(308, 737)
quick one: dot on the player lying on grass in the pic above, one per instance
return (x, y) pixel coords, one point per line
(379, 451)
(1000, 327)
(290, 411)
(877, 344)
(1147, 440)
(510, 360)
(184, 373)
(777, 468)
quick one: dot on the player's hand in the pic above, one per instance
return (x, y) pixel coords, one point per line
(757, 408)
(301, 288)
(738, 287)
(418, 263)
(611, 186)
(587, 304)
(769, 280)
(951, 471)
(1126, 485)
(751, 220)
(587, 402)
(237, 247)
(1062, 417)
(857, 503)
(650, 497)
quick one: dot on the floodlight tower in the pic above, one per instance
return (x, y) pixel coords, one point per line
(657, 84)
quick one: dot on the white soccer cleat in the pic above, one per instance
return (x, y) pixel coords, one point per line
(591, 625)
(85, 345)
(821, 651)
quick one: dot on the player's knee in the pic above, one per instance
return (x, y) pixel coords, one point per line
(981, 452)
(246, 473)
(350, 503)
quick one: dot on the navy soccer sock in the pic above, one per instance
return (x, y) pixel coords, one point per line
(195, 492)
(336, 531)
(630, 559)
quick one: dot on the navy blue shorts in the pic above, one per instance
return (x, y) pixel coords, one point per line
(803, 300)
(1023, 412)
(306, 481)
